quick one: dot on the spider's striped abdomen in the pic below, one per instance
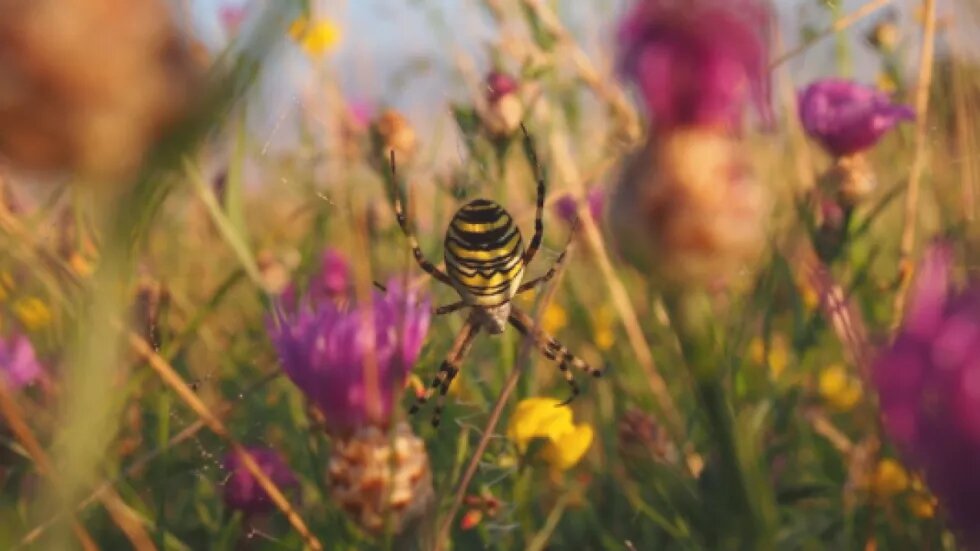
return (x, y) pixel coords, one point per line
(484, 253)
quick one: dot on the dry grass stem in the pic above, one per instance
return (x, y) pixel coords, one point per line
(620, 298)
(15, 421)
(523, 358)
(838, 26)
(139, 464)
(603, 86)
(214, 423)
(843, 317)
(921, 97)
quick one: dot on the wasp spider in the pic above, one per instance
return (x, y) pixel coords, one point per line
(485, 263)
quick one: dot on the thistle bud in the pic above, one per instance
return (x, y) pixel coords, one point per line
(687, 210)
(391, 131)
(88, 86)
(374, 476)
(640, 438)
(504, 108)
(847, 119)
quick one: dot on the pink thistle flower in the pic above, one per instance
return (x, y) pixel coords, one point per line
(847, 117)
(324, 347)
(566, 206)
(330, 283)
(499, 85)
(698, 62)
(242, 490)
(928, 382)
(18, 363)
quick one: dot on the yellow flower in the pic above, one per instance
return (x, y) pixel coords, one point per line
(885, 36)
(778, 358)
(32, 313)
(890, 479)
(6, 285)
(603, 335)
(553, 319)
(921, 502)
(564, 453)
(886, 83)
(808, 295)
(545, 418)
(538, 418)
(838, 388)
(315, 37)
(80, 265)
(527, 299)
(922, 505)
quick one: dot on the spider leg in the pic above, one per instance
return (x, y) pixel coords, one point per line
(449, 308)
(429, 267)
(559, 262)
(532, 157)
(552, 349)
(448, 370)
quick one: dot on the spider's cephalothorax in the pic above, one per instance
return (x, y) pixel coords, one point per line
(485, 261)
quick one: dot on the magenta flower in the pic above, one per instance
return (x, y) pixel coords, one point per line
(329, 283)
(698, 62)
(324, 349)
(566, 206)
(242, 490)
(231, 17)
(18, 362)
(333, 277)
(360, 112)
(499, 85)
(928, 382)
(847, 117)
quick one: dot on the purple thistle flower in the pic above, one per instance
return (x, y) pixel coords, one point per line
(324, 347)
(928, 382)
(242, 490)
(333, 277)
(847, 117)
(329, 283)
(499, 85)
(698, 62)
(18, 362)
(566, 207)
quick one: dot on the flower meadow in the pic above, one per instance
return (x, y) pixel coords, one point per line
(644, 274)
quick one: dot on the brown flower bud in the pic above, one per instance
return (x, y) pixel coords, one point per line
(374, 474)
(89, 85)
(851, 179)
(391, 131)
(504, 110)
(687, 210)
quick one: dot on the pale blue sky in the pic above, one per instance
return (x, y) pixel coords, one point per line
(398, 52)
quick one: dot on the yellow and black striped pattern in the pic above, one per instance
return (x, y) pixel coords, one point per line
(484, 253)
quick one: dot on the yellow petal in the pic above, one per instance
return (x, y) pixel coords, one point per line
(808, 294)
(32, 313)
(778, 356)
(6, 285)
(757, 350)
(564, 452)
(838, 388)
(539, 418)
(922, 505)
(315, 37)
(604, 339)
(553, 319)
(890, 478)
